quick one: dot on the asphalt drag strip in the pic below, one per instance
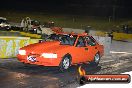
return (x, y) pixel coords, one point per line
(14, 74)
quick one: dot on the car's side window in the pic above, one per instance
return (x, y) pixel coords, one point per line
(90, 41)
(81, 42)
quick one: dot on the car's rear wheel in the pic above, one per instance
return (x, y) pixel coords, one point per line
(96, 60)
(65, 63)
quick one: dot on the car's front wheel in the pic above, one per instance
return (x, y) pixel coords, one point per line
(65, 63)
(96, 60)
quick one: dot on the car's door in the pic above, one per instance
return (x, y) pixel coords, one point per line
(80, 50)
(92, 48)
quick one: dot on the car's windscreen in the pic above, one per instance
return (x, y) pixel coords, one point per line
(64, 39)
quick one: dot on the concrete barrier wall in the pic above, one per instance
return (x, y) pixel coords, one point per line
(30, 35)
(9, 46)
(122, 36)
(10, 33)
(116, 36)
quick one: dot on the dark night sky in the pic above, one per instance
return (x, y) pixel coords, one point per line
(90, 7)
(64, 3)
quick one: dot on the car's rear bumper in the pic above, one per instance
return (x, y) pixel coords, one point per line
(40, 60)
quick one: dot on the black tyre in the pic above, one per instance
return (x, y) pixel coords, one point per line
(65, 63)
(96, 60)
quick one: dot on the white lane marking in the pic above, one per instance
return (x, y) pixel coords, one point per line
(119, 52)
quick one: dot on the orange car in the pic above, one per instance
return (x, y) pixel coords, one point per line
(62, 50)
